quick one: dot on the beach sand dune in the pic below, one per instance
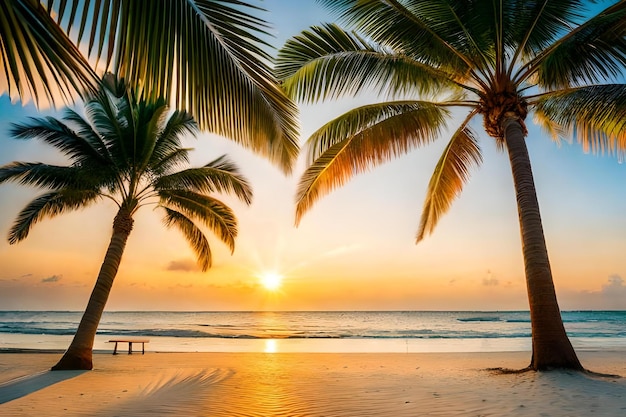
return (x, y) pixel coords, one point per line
(316, 384)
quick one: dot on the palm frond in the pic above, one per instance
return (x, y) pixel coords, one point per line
(57, 134)
(208, 57)
(594, 115)
(167, 161)
(49, 205)
(220, 175)
(86, 132)
(361, 139)
(38, 60)
(193, 234)
(169, 140)
(217, 216)
(407, 27)
(328, 62)
(153, 119)
(531, 27)
(592, 52)
(451, 173)
(43, 175)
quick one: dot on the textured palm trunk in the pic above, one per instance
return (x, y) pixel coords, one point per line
(550, 344)
(79, 353)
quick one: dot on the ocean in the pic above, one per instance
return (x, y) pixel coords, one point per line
(349, 331)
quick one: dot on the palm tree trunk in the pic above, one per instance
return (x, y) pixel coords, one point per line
(550, 344)
(79, 353)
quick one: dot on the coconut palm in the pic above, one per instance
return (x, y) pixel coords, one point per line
(128, 152)
(207, 57)
(498, 60)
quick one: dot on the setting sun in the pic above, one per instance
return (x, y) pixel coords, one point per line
(271, 280)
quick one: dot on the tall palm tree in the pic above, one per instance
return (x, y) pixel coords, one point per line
(207, 57)
(128, 152)
(499, 60)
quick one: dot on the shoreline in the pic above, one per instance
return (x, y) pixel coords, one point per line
(310, 384)
(56, 343)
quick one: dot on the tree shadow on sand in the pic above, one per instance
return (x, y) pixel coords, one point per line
(184, 393)
(20, 387)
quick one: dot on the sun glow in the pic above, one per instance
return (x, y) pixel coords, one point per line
(271, 280)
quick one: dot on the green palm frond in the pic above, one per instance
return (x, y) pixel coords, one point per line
(529, 28)
(169, 140)
(585, 114)
(166, 162)
(153, 118)
(106, 117)
(451, 173)
(193, 234)
(86, 132)
(406, 27)
(591, 53)
(57, 134)
(38, 60)
(43, 175)
(49, 205)
(361, 139)
(328, 62)
(209, 57)
(220, 175)
(218, 217)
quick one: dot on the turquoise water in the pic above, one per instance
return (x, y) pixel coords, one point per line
(410, 331)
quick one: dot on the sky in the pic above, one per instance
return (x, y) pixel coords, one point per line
(355, 250)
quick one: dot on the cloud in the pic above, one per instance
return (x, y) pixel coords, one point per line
(611, 296)
(615, 287)
(490, 281)
(53, 278)
(187, 265)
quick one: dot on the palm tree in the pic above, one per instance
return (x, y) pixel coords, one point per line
(496, 59)
(207, 57)
(128, 152)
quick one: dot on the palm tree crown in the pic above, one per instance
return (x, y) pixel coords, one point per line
(127, 152)
(499, 60)
(492, 58)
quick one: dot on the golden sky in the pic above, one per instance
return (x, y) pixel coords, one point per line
(355, 250)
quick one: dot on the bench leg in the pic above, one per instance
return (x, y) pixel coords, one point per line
(143, 351)
(115, 349)
(130, 348)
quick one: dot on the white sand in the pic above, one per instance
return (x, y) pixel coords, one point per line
(309, 384)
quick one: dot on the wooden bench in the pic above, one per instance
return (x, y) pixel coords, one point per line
(130, 344)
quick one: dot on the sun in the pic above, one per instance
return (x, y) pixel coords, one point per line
(271, 280)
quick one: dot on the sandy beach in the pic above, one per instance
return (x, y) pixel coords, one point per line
(309, 384)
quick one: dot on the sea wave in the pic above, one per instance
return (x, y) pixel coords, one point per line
(314, 325)
(470, 319)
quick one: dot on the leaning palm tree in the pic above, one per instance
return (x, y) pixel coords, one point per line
(499, 60)
(128, 152)
(207, 57)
